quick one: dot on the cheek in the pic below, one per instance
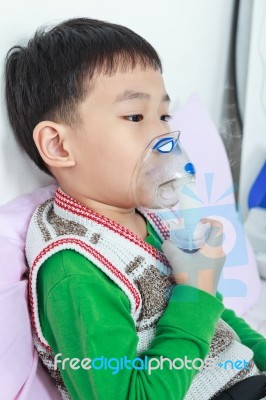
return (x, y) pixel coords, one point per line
(118, 169)
(121, 160)
(107, 163)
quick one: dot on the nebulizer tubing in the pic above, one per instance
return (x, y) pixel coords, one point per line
(163, 177)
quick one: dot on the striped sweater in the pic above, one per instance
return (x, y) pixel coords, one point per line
(137, 268)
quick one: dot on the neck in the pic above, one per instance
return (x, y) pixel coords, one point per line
(127, 217)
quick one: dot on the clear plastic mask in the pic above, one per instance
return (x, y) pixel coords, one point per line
(161, 171)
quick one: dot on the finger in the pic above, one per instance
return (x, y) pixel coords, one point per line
(213, 222)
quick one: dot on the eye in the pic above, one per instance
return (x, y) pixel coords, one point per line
(134, 118)
(166, 117)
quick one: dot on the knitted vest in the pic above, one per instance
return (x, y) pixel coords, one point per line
(140, 270)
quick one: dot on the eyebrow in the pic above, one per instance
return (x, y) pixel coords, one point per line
(128, 95)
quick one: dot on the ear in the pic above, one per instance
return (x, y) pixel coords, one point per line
(53, 145)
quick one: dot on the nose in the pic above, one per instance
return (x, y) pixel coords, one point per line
(157, 132)
(165, 142)
(157, 127)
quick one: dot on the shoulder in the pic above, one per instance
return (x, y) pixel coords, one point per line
(70, 281)
(66, 262)
(39, 210)
(37, 234)
(69, 265)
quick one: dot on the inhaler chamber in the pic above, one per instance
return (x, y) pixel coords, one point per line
(161, 171)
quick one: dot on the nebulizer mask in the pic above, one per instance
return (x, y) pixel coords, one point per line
(165, 177)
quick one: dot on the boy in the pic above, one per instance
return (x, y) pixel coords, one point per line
(84, 99)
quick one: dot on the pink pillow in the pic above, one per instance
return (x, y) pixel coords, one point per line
(21, 373)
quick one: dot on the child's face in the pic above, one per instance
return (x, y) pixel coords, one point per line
(120, 117)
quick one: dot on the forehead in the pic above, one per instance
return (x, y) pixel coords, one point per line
(135, 84)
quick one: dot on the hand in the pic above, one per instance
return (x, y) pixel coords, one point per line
(203, 268)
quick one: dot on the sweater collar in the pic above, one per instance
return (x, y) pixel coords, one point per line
(67, 207)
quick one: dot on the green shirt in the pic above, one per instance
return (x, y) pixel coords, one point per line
(84, 314)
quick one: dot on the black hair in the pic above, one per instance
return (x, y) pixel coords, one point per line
(50, 76)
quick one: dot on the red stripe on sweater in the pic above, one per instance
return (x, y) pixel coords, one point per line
(115, 271)
(65, 202)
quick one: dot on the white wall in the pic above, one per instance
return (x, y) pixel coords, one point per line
(254, 140)
(191, 36)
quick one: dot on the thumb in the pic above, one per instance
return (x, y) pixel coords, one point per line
(216, 236)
